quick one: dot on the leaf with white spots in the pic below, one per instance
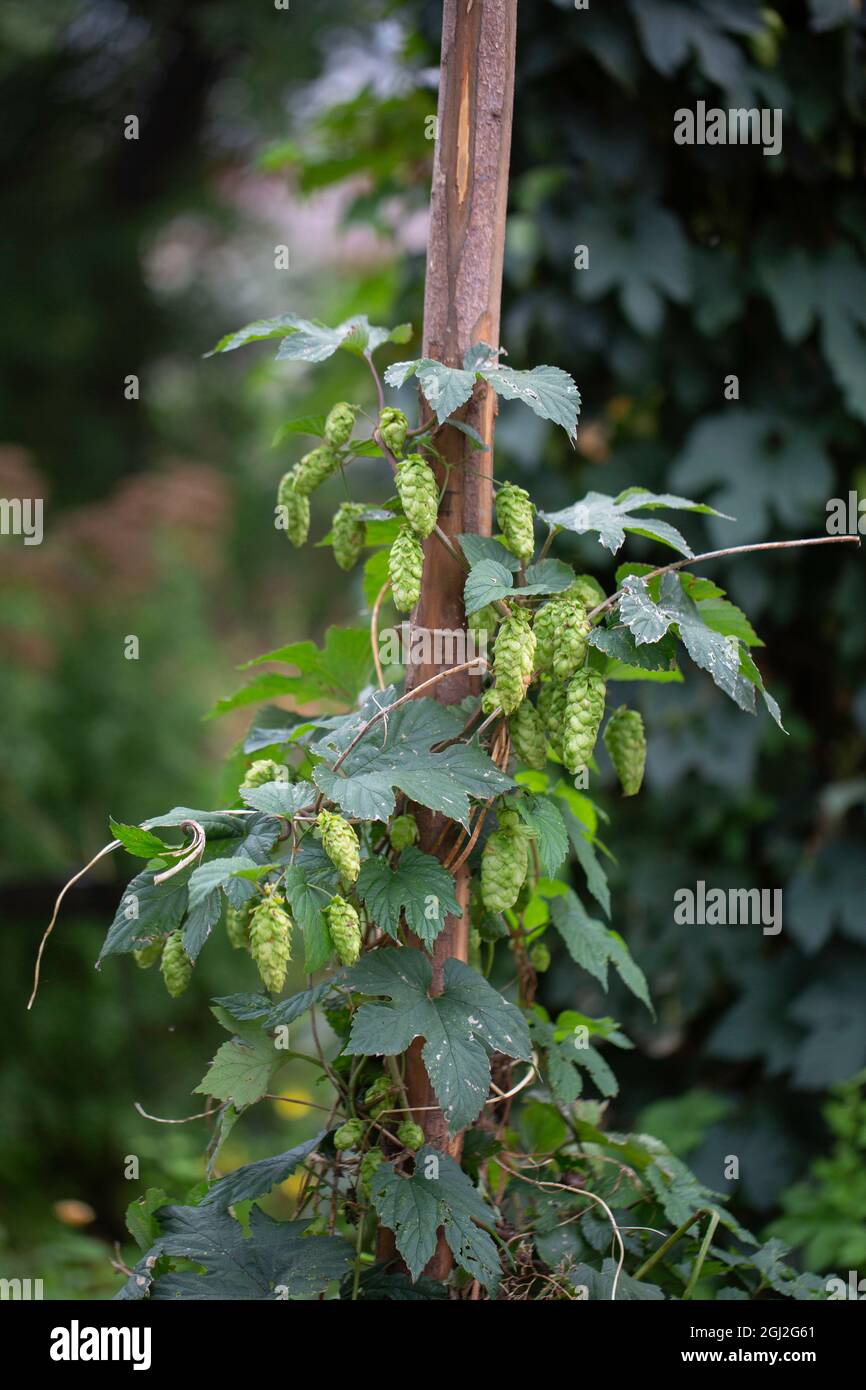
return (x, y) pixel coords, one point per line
(461, 1027)
(398, 753)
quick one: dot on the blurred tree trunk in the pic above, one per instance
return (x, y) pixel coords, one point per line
(461, 307)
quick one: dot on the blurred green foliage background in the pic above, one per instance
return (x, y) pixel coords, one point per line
(308, 128)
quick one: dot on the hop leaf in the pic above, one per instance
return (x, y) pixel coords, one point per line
(339, 424)
(625, 740)
(405, 566)
(271, 941)
(504, 864)
(349, 535)
(569, 641)
(514, 518)
(262, 771)
(551, 708)
(410, 1135)
(296, 507)
(527, 735)
(513, 660)
(314, 468)
(148, 955)
(393, 428)
(403, 833)
(584, 711)
(340, 843)
(176, 965)
(345, 928)
(238, 926)
(419, 494)
(349, 1135)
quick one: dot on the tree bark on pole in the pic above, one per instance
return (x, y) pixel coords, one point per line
(461, 307)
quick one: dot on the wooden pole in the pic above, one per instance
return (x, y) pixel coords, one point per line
(461, 307)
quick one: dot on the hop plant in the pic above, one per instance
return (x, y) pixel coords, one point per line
(504, 863)
(262, 771)
(410, 1135)
(148, 955)
(540, 957)
(490, 701)
(513, 660)
(349, 534)
(587, 589)
(238, 926)
(551, 709)
(378, 1096)
(514, 518)
(349, 1135)
(403, 833)
(419, 494)
(345, 928)
(367, 1169)
(340, 843)
(339, 424)
(544, 626)
(271, 941)
(584, 711)
(569, 641)
(175, 965)
(405, 566)
(527, 735)
(393, 428)
(297, 508)
(314, 468)
(625, 740)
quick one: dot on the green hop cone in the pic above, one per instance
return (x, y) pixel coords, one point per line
(474, 948)
(380, 1091)
(544, 626)
(569, 642)
(551, 709)
(405, 566)
(296, 506)
(339, 424)
(539, 957)
(262, 771)
(349, 534)
(271, 941)
(483, 624)
(371, 1161)
(340, 843)
(514, 518)
(345, 928)
(513, 660)
(393, 428)
(176, 965)
(527, 735)
(349, 1135)
(403, 832)
(148, 955)
(489, 702)
(587, 590)
(584, 711)
(314, 468)
(238, 926)
(504, 864)
(411, 1136)
(625, 740)
(419, 494)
